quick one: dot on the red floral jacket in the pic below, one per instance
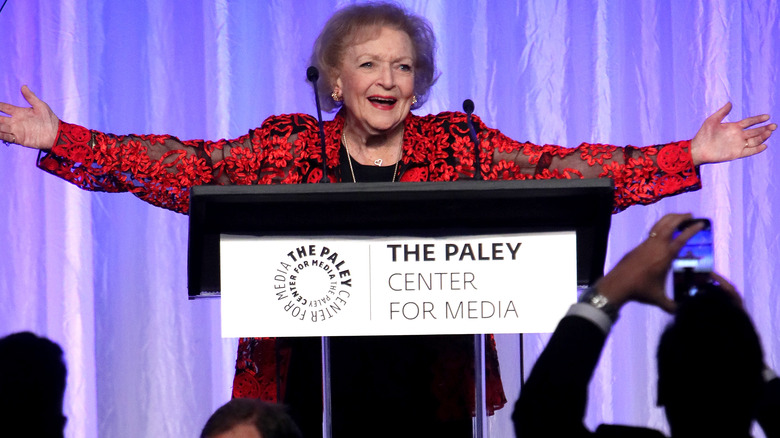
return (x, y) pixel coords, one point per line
(286, 149)
(160, 169)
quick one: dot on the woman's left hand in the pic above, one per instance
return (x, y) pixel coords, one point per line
(717, 141)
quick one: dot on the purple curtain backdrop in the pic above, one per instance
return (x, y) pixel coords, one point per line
(105, 275)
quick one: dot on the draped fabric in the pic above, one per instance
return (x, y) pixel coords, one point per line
(105, 275)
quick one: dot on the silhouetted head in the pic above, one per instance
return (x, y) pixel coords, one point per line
(32, 386)
(709, 367)
(250, 416)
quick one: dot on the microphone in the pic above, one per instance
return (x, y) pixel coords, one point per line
(312, 74)
(468, 108)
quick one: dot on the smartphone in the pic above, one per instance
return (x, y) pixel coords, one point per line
(692, 267)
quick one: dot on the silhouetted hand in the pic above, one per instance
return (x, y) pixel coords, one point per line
(641, 274)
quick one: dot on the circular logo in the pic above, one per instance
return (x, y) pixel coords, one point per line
(312, 283)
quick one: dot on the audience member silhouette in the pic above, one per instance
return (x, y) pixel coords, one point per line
(32, 386)
(250, 418)
(711, 375)
(710, 366)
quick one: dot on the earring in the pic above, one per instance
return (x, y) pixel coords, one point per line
(336, 96)
(414, 99)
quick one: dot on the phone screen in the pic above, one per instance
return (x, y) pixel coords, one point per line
(694, 263)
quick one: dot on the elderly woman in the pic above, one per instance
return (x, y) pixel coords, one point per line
(378, 63)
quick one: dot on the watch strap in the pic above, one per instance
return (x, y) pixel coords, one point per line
(592, 297)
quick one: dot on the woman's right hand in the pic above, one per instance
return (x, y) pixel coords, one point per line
(35, 127)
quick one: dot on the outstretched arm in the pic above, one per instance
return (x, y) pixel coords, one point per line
(35, 126)
(159, 169)
(642, 175)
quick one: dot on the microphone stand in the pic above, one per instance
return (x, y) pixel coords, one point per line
(312, 74)
(480, 398)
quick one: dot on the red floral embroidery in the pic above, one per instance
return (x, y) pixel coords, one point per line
(81, 153)
(416, 174)
(673, 159)
(596, 153)
(507, 170)
(78, 134)
(246, 386)
(669, 184)
(558, 174)
(553, 150)
(314, 176)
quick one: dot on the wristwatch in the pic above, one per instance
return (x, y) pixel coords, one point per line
(592, 297)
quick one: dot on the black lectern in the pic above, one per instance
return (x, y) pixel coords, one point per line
(407, 209)
(465, 208)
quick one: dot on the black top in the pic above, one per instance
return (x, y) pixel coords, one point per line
(364, 173)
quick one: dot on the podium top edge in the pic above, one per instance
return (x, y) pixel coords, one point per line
(416, 187)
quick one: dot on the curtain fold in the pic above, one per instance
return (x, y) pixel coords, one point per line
(105, 275)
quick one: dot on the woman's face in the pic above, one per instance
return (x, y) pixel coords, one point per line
(376, 81)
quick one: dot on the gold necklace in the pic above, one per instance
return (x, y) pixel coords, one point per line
(349, 158)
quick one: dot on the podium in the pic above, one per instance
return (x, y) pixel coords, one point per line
(382, 217)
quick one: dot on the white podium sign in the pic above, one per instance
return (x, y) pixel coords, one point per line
(355, 286)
